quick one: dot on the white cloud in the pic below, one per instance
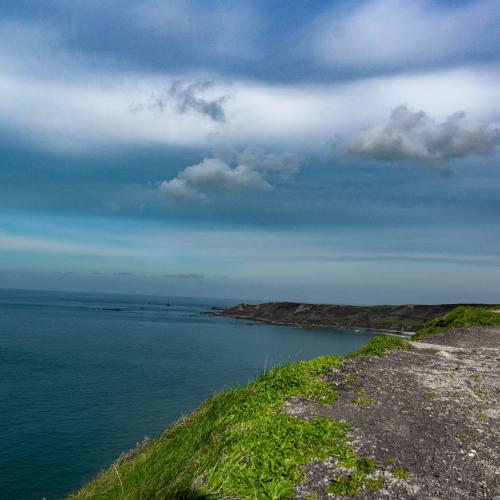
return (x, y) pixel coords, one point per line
(213, 172)
(58, 101)
(409, 135)
(178, 189)
(231, 171)
(21, 243)
(103, 111)
(414, 33)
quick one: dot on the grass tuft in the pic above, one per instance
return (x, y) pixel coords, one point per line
(363, 398)
(380, 345)
(401, 473)
(462, 316)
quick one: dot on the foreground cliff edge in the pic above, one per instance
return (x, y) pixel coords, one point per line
(395, 419)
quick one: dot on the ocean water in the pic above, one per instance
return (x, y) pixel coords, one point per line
(84, 377)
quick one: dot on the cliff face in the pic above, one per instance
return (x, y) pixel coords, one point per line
(406, 318)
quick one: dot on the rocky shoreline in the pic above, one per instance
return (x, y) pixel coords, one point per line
(256, 321)
(402, 320)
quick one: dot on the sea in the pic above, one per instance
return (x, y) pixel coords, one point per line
(85, 377)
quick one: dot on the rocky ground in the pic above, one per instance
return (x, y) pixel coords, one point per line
(429, 416)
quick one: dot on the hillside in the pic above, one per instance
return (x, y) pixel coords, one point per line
(404, 318)
(396, 419)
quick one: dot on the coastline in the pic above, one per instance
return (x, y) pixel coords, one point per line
(397, 333)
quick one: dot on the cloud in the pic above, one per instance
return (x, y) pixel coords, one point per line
(178, 189)
(409, 135)
(56, 98)
(20, 243)
(190, 276)
(230, 171)
(186, 98)
(378, 35)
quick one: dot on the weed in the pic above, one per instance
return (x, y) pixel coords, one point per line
(401, 473)
(363, 399)
(366, 465)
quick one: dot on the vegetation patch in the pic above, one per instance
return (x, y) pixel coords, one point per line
(380, 345)
(240, 443)
(464, 435)
(357, 480)
(462, 316)
(401, 473)
(363, 398)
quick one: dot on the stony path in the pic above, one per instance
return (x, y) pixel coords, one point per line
(433, 411)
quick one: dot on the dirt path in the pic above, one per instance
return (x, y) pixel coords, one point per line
(430, 417)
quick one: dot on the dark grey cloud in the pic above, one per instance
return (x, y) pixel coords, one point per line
(414, 136)
(189, 97)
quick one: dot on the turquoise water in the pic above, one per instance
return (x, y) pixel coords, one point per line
(84, 377)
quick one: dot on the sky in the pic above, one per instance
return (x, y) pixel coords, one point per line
(315, 151)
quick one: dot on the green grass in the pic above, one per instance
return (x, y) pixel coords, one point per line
(363, 398)
(240, 443)
(356, 480)
(401, 473)
(350, 485)
(462, 316)
(380, 345)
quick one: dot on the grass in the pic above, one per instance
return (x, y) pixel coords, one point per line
(462, 316)
(363, 398)
(357, 479)
(401, 473)
(380, 345)
(354, 483)
(240, 443)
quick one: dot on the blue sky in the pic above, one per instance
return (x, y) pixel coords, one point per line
(308, 150)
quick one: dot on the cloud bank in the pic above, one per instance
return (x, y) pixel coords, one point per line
(413, 135)
(230, 171)
(377, 35)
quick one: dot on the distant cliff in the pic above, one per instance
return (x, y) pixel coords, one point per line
(402, 318)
